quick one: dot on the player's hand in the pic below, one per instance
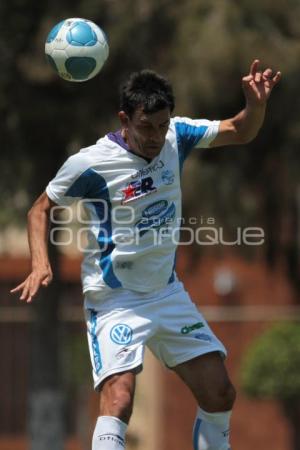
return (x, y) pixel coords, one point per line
(30, 287)
(257, 86)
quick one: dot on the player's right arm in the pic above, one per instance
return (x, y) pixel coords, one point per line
(38, 227)
(72, 181)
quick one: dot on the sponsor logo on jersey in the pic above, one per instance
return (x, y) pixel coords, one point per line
(138, 189)
(155, 216)
(155, 208)
(147, 170)
(188, 328)
(121, 334)
(167, 176)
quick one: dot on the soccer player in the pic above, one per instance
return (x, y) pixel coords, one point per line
(129, 184)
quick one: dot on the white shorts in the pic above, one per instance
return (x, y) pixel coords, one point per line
(167, 322)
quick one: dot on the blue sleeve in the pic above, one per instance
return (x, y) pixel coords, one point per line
(76, 179)
(192, 133)
(187, 137)
(88, 185)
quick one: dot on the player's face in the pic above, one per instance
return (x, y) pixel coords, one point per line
(145, 133)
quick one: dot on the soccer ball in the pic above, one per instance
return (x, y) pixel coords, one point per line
(77, 49)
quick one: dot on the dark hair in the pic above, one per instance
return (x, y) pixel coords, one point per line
(148, 90)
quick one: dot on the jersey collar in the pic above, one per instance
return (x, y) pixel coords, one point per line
(118, 139)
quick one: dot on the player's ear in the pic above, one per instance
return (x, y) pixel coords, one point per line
(124, 119)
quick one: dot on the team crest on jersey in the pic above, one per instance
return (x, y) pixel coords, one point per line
(137, 189)
(167, 176)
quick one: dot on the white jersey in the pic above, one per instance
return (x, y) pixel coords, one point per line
(133, 205)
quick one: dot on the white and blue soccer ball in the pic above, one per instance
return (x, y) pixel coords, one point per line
(77, 49)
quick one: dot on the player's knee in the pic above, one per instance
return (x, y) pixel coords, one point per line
(228, 396)
(221, 399)
(123, 402)
(117, 397)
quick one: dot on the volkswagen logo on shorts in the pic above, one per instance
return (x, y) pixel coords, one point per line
(121, 334)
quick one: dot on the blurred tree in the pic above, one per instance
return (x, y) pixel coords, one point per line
(271, 370)
(254, 185)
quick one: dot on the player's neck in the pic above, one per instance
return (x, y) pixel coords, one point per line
(131, 147)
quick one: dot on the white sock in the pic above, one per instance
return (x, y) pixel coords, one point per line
(109, 434)
(211, 430)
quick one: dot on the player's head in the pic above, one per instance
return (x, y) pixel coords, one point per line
(147, 90)
(147, 101)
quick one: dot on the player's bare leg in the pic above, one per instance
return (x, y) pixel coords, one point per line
(116, 403)
(208, 380)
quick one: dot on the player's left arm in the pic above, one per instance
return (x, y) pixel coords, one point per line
(243, 127)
